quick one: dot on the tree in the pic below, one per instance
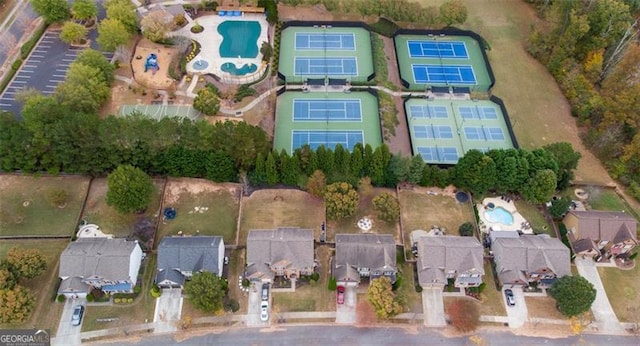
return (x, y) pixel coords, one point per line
(453, 12)
(559, 207)
(111, 34)
(476, 172)
(129, 189)
(155, 26)
(95, 59)
(206, 291)
(387, 207)
(15, 304)
(259, 175)
(207, 102)
(266, 50)
(84, 90)
(53, 11)
(573, 295)
(84, 9)
(383, 299)
(567, 159)
(317, 183)
(73, 33)
(341, 200)
(123, 11)
(26, 263)
(271, 170)
(7, 279)
(540, 187)
(466, 229)
(464, 315)
(415, 169)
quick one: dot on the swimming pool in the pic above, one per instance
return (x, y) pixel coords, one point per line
(499, 215)
(239, 38)
(232, 69)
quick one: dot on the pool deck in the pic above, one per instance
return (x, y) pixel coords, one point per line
(518, 220)
(210, 41)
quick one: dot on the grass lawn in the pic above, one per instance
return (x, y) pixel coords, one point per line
(189, 197)
(46, 313)
(407, 289)
(491, 298)
(533, 215)
(268, 209)
(137, 312)
(309, 297)
(543, 307)
(623, 292)
(605, 199)
(110, 221)
(27, 209)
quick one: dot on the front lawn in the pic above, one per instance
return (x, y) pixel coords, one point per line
(543, 307)
(623, 292)
(407, 289)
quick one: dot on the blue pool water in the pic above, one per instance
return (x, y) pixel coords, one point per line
(245, 69)
(499, 215)
(239, 38)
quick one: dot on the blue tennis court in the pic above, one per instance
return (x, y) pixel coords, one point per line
(478, 113)
(439, 154)
(443, 74)
(482, 133)
(437, 49)
(432, 131)
(327, 109)
(305, 66)
(428, 111)
(325, 41)
(315, 139)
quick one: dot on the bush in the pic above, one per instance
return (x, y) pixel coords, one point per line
(466, 229)
(155, 291)
(232, 305)
(333, 284)
(61, 298)
(196, 29)
(90, 297)
(16, 64)
(478, 289)
(179, 20)
(243, 91)
(632, 257)
(117, 300)
(315, 276)
(418, 288)
(137, 289)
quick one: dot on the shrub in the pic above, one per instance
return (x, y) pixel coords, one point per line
(129, 300)
(418, 288)
(90, 297)
(196, 29)
(466, 229)
(117, 300)
(137, 289)
(179, 20)
(155, 291)
(61, 298)
(632, 257)
(232, 305)
(243, 91)
(58, 197)
(315, 276)
(16, 64)
(333, 284)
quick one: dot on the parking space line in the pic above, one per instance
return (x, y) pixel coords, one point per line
(30, 66)
(26, 77)
(19, 81)
(34, 61)
(37, 56)
(9, 99)
(59, 75)
(68, 60)
(26, 71)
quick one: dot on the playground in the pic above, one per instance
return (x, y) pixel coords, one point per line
(150, 65)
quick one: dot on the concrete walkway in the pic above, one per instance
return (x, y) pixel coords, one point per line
(606, 318)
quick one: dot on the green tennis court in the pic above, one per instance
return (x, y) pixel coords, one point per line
(160, 111)
(326, 118)
(310, 52)
(442, 131)
(442, 61)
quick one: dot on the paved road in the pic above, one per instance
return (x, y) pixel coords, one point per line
(519, 313)
(433, 307)
(24, 15)
(601, 308)
(346, 313)
(168, 310)
(69, 334)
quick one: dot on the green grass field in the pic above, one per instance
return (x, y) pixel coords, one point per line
(531, 213)
(623, 292)
(27, 207)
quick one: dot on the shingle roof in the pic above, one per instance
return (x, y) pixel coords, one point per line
(194, 254)
(438, 255)
(290, 247)
(101, 257)
(372, 251)
(601, 225)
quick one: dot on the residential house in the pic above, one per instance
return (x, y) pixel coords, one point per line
(286, 251)
(364, 256)
(449, 258)
(179, 257)
(601, 233)
(111, 265)
(530, 260)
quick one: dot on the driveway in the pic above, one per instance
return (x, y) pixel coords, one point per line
(346, 313)
(69, 334)
(517, 314)
(601, 308)
(168, 310)
(253, 307)
(433, 307)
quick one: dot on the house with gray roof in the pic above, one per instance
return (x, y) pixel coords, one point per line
(450, 258)
(530, 260)
(179, 257)
(364, 256)
(111, 265)
(600, 233)
(285, 251)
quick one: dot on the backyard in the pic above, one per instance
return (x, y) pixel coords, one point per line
(492, 303)
(203, 207)
(41, 206)
(534, 216)
(273, 208)
(46, 312)
(622, 289)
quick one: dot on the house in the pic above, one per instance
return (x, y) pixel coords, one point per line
(286, 251)
(364, 256)
(530, 260)
(111, 265)
(449, 258)
(180, 257)
(601, 233)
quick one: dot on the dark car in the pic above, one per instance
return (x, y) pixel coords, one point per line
(265, 292)
(511, 300)
(78, 311)
(340, 297)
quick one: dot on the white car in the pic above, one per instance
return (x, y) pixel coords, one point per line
(264, 311)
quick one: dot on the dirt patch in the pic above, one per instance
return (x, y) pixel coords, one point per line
(175, 187)
(159, 79)
(392, 64)
(400, 144)
(317, 12)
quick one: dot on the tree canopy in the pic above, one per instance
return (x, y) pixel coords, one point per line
(382, 298)
(26, 263)
(53, 11)
(15, 304)
(387, 207)
(84, 9)
(453, 12)
(206, 291)
(573, 294)
(130, 189)
(207, 102)
(111, 34)
(124, 11)
(84, 89)
(341, 200)
(72, 32)
(155, 26)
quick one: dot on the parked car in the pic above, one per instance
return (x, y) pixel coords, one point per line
(511, 300)
(340, 297)
(265, 292)
(264, 311)
(76, 318)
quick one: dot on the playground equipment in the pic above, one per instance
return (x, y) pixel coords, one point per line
(152, 63)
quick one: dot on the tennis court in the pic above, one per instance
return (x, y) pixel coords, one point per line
(324, 66)
(324, 40)
(443, 74)
(434, 60)
(437, 49)
(325, 52)
(327, 109)
(158, 111)
(326, 118)
(442, 131)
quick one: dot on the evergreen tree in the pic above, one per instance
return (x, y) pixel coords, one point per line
(259, 176)
(416, 168)
(357, 163)
(271, 170)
